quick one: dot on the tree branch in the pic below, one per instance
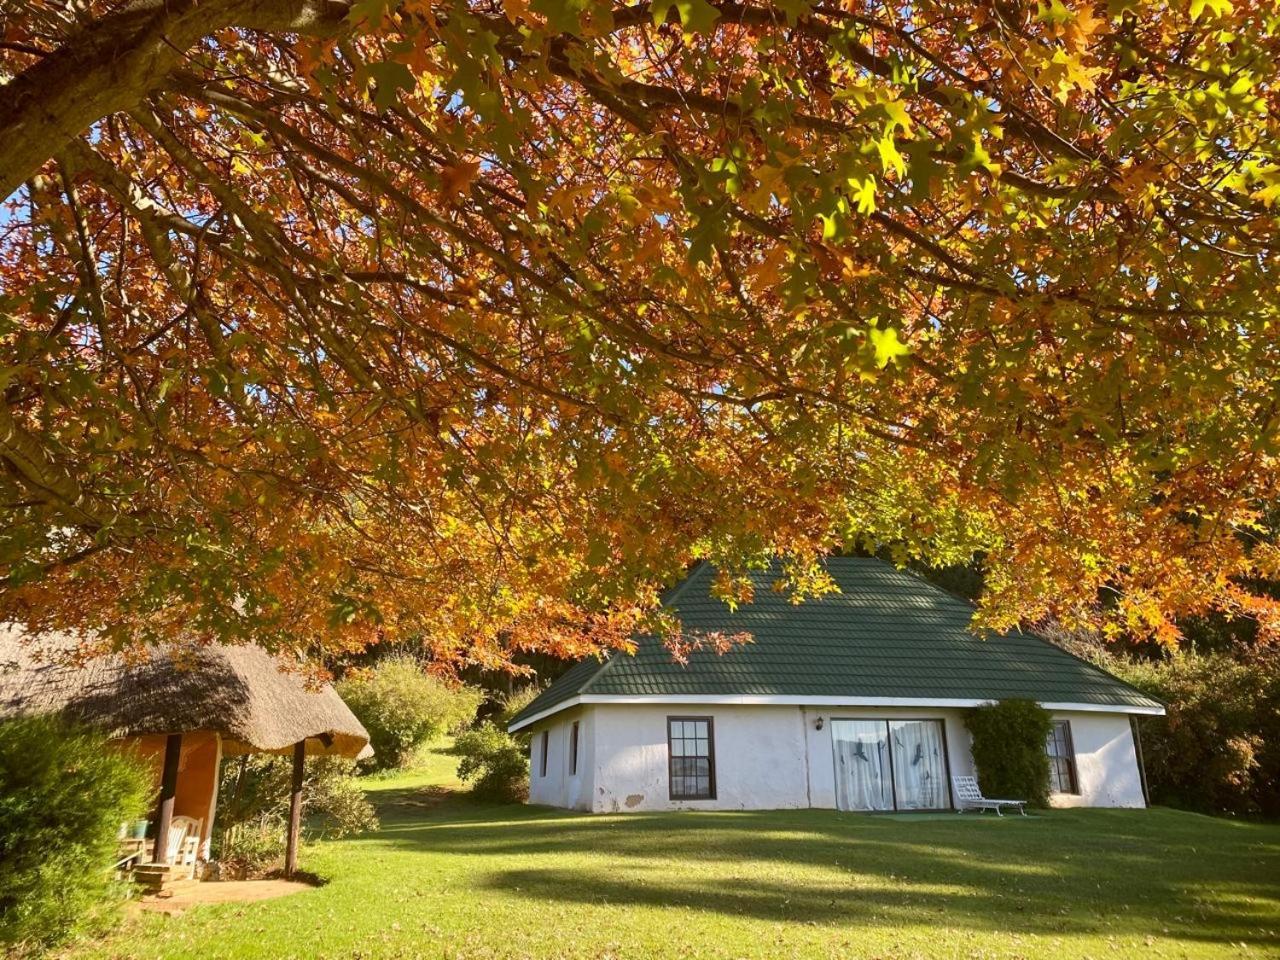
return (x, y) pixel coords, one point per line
(117, 61)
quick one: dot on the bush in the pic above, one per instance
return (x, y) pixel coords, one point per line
(253, 809)
(513, 703)
(1009, 750)
(249, 850)
(63, 795)
(494, 763)
(1218, 749)
(403, 707)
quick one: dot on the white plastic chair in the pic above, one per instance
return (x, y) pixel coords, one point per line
(184, 842)
(970, 796)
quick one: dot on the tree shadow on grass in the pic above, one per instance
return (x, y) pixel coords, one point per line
(1069, 872)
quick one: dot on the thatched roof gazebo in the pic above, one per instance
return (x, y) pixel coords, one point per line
(185, 708)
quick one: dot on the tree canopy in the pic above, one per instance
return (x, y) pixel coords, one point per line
(323, 321)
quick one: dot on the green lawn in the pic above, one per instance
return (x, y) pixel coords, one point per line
(448, 878)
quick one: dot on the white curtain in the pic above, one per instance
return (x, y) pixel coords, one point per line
(862, 765)
(919, 764)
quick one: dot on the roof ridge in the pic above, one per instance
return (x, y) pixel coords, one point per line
(604, 665)
(925, 580)
(1094, 667)
(668, 601)
(1034, 635)
(680, 587)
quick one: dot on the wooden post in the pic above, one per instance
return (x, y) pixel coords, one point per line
(168, 790)
(295, 809)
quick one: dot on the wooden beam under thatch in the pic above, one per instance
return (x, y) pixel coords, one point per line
(168, 791)
(295, 810)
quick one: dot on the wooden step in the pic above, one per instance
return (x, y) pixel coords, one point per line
(160, 877)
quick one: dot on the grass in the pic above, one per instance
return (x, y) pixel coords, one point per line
(446, 877)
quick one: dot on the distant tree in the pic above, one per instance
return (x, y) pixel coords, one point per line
(1218, 748)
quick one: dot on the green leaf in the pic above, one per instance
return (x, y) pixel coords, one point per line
(705, 233)
(563, 16)
(864, 192)
(833, 226)
(888, 348)
(1217, 7)
(890, 158)
(923, 168)
(371, 11)
(1055, 13)
(389, 77)
(696, 16)
(794, 9)
(896, 111)
(976, 156)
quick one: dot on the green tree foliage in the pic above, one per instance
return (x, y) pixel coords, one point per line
(63, 796)
(403, 707)
(1218, 748)
(494, 763)
(1009, 750)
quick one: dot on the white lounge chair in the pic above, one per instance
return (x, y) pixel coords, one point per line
(971, 798)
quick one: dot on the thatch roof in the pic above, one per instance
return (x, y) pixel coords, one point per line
(240, 692)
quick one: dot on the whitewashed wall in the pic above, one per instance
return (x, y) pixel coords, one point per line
(560, 788)
(774, 757)
(760, 758)
(1106, 762)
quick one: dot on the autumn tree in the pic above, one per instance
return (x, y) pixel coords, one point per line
(324, 321)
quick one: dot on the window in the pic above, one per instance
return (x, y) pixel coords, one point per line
(542, 763)
(692, 758)
(573, 749)
(1062, 759)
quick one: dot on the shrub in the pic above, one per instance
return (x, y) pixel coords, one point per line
(253, 808)
(1218, 749)
(63, 795)
(403, 707)
(513, 703)
(249, 850)
(494, 763)
(1009, 750)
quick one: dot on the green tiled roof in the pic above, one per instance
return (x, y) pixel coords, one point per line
(887, 633)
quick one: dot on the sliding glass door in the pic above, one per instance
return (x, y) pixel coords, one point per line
(864, 780)
(919, 765)
(890, 765)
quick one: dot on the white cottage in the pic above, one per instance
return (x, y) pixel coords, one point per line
(855, 701)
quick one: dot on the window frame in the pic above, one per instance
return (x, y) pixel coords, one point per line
(573, 749)
(711, 759)
(1069, 744)
(544, 749)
